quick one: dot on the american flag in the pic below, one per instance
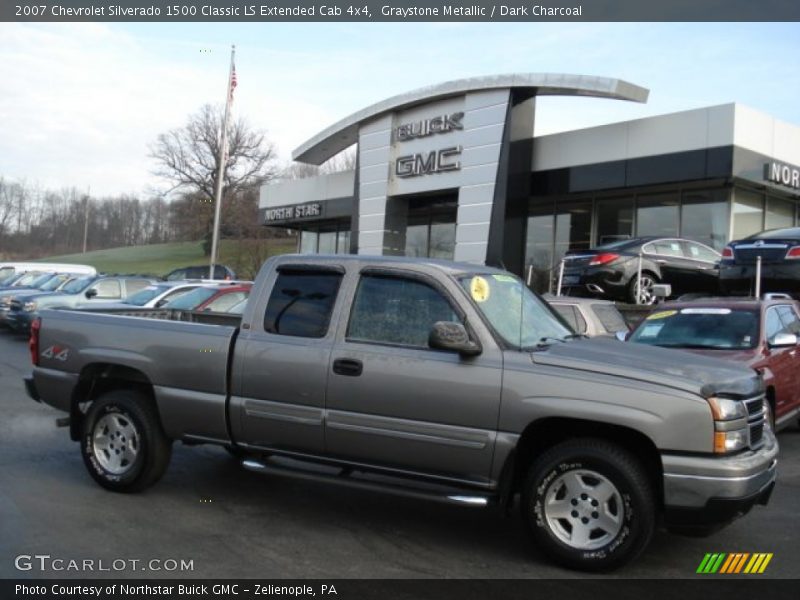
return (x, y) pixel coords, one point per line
(233, 81)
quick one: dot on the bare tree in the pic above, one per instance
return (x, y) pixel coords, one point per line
(189, 156)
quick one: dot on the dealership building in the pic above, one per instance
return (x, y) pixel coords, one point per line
(454, 171)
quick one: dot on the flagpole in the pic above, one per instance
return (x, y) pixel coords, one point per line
(223, 159)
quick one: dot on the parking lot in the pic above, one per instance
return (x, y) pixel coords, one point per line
(232, 523)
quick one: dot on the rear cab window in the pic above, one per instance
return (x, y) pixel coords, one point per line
(301, 302)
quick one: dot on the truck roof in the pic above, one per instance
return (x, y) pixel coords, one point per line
(448, 266)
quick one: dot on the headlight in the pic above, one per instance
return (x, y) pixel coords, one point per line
(5, 300)
(29, 306)
(731, 441)
(725, 409)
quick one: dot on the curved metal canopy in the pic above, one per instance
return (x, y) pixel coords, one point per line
(343, 134)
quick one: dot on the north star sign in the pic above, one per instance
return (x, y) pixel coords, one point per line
(291, 213)
(783, 174)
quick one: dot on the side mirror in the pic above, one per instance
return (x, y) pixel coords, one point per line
(447, 335)
(622, 336)
(782, 340)
(91, 293)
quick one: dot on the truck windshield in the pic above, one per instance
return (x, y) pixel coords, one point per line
(518, 316)
(699, 327)
(77, 285)
(53, 283)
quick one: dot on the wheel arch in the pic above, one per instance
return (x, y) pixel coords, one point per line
(96, 379)
(545, 433)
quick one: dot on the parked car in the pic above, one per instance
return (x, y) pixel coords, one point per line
(221, 272)
(211, 298)
(611, 270)
(153, 296)
(779, 250)
(8, 268)
(51, 284)
(26, 280)
(588, 316)
(426, 378)
(760, 334)
(76, 294)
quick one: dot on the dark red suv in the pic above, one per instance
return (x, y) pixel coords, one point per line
(762, 334)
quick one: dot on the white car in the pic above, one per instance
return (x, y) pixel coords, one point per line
(153, 296)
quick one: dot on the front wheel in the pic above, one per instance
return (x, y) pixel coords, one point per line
(123, 444)
(589, 505)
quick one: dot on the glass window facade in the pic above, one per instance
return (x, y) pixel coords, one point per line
(325, 239)
(780, 213)
(748, 213)
(614, 220)
(431, 228)
(658, 214)
(705, 217)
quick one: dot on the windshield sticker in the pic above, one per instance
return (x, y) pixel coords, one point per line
(479, 288)
(663, 314)
(706, 311)
(650, 330)
(504, 278)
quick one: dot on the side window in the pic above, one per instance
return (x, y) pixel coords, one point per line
(176, 275)
(394, 310)
(774, 325)
(572, 316)
(224, 302)
(697, 251)
(790, 320)
(668, 248)
(301, 303)
(134, 285)
(108, 289)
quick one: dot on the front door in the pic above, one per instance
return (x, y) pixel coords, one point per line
(394, 401)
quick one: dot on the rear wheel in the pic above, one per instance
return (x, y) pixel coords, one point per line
(589, 505)
(123, 444)
(646, 295)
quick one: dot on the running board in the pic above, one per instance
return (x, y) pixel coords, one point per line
(345, 477)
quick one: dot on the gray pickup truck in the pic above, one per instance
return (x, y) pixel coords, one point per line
(426, 378)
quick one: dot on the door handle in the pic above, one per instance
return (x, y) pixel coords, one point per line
(661, 261)
(348, 366)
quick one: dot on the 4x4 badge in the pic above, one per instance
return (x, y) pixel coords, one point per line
(56, 352)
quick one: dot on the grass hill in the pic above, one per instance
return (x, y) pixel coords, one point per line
(159, 259)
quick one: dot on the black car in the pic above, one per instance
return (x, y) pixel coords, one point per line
(201, 272)
(779, 250)
(611, 270)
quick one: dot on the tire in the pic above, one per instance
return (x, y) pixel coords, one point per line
(648, 281)
(123, 444)
(562, 498)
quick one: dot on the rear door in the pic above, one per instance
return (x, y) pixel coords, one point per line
(394, 401)
(281, 361)
(705, 264)
(676, 269)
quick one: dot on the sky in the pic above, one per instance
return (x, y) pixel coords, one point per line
(80, 104)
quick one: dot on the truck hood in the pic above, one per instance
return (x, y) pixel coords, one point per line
(673, 368)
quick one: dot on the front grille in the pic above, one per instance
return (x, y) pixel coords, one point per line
(16, 305)
(755, 420)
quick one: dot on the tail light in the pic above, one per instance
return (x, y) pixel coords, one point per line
(793, 253)
(604, 258)
(33, 342)
(727, 252)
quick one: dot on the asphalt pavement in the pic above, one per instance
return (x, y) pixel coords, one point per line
(231, 523)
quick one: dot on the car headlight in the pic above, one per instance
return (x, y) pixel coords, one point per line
(5, 299)
(731, 441)
(29, 306)
(725, 409)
